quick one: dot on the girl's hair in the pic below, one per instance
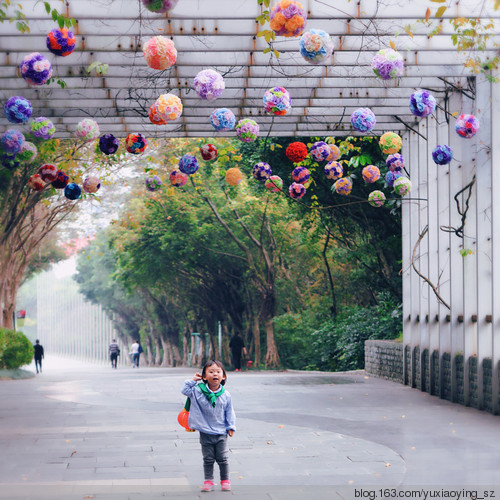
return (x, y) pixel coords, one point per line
(211, 362)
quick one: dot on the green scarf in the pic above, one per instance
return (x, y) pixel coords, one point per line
(211, 396)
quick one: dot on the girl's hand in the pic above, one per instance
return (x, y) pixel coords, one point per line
(230, 432)
(197, 376)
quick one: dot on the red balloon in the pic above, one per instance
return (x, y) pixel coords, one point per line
(182, 418)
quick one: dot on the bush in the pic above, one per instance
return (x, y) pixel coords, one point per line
(15, 349)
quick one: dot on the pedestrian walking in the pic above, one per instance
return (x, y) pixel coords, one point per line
(114, 352)
(211, 413)
(38, 348)
(237, 347)
(136, 351)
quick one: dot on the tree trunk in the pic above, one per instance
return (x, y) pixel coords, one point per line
(158, 356)
(256, 339)
(272, 358)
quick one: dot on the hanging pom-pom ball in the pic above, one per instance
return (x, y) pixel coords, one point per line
(153, 183)
(18, 109)
(61, 42)
(247, 130)
(334, 154)
(334, 170)
(177, 178)
(388, 64)
(402, 186)
(136, 143)
(61, 181)
(48, 172)
(209, 84)
(72, 191)
(390, 143)
(222, 119)
(208, 152)
(159, 6)
(28, 152)
(108, 144)
(395, 162)
(363, 120)
(320, 151)
(467, 126)
(277, 101)
(42, 128)
(234, 176)
(422, 103)
(300, 175)
(376, 198)
(36, 69)
(261, 171)
(316, 46)
(160, 53)
(371, 174)
(296, 152)
(296, 190)
(91, 184)
(168, 107)
(442, 154)
(87, 129)
(288, 18)
(390, 177)
(11, 141)
(188, 164)
(36, 183)
(343, 186)
(274, 183)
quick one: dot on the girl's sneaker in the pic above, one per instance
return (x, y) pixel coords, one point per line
(208, 486)
(225, 485)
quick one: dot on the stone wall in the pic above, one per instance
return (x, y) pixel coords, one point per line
(453, 378)
(384, 359)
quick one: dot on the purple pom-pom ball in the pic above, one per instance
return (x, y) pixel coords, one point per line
(395, 162)
(363, 119)
(36, 69)
(296, 190)
(18, 109)
(442, 154)
(301, 175)
(262, 171)
(209, 84)
(153, 183)
(188, 164)
(422, 103)
(11, 141)
(320, 151)
(388, 64)
(108, 144)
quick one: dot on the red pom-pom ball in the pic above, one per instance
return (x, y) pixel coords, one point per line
(208, 152)
(296, 152)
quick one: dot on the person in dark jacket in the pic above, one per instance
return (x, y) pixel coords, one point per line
(114, 352)
(237, 347)
(38, 355)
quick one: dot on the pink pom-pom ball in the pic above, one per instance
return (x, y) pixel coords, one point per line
(467, 126)
(36, 183)
(376, 198)
(177, 178)
(160, 52)
(36, 69)
(274, 183)
(301, 175)
(88, 130)
(296, 190)
(209, 84)
(91, 184)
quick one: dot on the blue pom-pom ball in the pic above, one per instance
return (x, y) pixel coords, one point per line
(422, 103)
(363, 119)
(442, 154)
(11, 141)
(18, 109)
(72, 191)
(222, 119)
(188, 164)
(390, 177)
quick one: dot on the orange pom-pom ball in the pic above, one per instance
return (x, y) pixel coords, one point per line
(234, 176)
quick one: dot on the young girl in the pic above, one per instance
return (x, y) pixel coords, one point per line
(212, 414)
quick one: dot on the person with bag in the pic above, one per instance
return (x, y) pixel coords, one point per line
(211, 413)
(136, 351)
(114, 352)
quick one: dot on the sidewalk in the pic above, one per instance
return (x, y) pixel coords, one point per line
(79, 431)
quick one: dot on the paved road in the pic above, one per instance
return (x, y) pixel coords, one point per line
(84, 432)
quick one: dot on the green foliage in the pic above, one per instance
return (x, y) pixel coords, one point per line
(14, 14)
(15, 349)
(336, 345)
(61, 20)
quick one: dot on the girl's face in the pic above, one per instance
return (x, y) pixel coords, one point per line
(214, 375)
